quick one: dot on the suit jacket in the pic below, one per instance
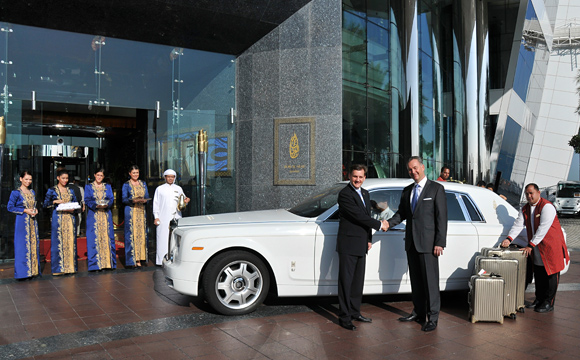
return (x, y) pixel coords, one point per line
(356, 223)
(427, 227)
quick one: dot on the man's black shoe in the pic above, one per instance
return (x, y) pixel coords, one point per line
(533, 304)
(544, 307)
(347, 325)
(412, 317)
(429, 326)
(362, 319)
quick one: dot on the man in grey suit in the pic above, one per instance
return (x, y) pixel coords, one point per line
(352, 244)
(424, 206)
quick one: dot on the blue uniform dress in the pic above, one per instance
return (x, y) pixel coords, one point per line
(101, 249)
(135, 223)
(26, 244)
(63, 239)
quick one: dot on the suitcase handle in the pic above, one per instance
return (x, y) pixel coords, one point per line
(511, 246)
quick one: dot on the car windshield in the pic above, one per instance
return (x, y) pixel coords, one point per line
(568, 190)
(318, 203)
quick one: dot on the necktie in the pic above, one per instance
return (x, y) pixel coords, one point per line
(415, 197)
(361, 196)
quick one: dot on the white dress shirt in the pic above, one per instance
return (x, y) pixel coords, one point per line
(418, 189)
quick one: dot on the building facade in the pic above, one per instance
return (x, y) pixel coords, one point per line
(535, 103)
(289, 94)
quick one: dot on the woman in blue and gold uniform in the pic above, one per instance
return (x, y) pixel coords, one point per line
(135, 195)
(101, 249)
(26, 249)
(63, 239)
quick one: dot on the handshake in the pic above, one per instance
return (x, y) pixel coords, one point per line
(384, 225)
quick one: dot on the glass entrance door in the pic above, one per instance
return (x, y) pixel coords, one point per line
(77, 138)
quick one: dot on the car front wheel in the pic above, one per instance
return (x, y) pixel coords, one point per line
(236, 282)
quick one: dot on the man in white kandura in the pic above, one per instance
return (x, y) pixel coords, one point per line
(164, 210)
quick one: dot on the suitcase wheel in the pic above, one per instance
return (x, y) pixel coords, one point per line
(522, 310)
(513, 316)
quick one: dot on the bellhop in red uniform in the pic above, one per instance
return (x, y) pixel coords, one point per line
(546, 245)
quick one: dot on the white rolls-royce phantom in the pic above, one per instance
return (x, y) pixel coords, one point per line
(236, 259)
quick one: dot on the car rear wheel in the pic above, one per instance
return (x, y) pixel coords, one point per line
(236, 282)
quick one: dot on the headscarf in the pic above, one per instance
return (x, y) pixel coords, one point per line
(169, 172)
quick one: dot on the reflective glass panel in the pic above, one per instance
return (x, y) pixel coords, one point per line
(354, 113)
(378, 57)
(379, 133)
(354, 48)
(85, 102)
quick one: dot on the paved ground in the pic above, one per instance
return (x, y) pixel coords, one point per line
(130, 314)
(572, 227)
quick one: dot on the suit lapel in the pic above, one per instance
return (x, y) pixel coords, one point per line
(406, 201)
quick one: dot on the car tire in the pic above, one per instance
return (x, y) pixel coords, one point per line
(236, 282)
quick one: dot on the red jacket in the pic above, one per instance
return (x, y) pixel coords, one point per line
(553, 247)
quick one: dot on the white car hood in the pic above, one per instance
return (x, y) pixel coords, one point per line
(263, 216)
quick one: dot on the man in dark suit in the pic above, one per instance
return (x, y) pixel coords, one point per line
(352, 244)
(424, 206)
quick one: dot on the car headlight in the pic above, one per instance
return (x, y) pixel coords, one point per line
(177, 241)
(174, 247)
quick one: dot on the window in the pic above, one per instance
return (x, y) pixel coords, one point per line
(454, 211)
(318, 203)
(385, 203)
(568, 190)
(473, 213)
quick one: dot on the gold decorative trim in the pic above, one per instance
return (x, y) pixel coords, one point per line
(296, 165)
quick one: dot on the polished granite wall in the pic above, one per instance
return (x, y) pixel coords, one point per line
(295, 70)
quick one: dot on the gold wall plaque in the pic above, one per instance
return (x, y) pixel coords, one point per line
(294, 151)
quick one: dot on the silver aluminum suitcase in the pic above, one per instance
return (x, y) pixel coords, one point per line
(513, 253)
(485, 299)
(508, 270)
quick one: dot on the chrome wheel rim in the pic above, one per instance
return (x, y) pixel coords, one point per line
(239, 284)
